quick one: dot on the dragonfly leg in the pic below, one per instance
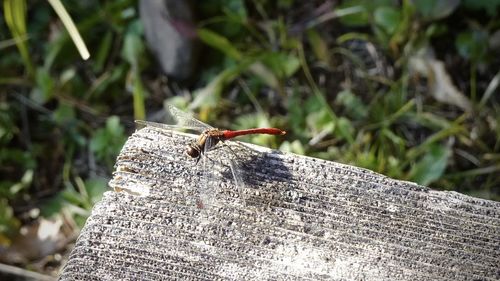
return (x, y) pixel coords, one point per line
(205, 154)
(210, 159)
(230, 149)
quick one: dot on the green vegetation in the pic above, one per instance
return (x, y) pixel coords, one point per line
(408, 90)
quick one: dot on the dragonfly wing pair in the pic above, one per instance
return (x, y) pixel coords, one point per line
(206, 189)
(186, 121)
(207, 184)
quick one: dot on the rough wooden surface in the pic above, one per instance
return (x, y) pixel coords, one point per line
(297, 218)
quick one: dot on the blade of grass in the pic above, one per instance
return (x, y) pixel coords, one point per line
(455, 128)
(15, 17)
(474, 172)
(338, 13)
(389, 120)
(11, 42)
(492, 86)
(312, 84)
(220, 43)
(138, 96)
(70, 27)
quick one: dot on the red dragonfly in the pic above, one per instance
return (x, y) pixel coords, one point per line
(209, 137)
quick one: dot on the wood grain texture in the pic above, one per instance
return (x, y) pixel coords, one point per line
(296, 218)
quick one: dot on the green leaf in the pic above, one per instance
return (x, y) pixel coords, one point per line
(293, 147)
(319, 120)
(345, 129)
(133, 44)
(432, 165)
(209, 95)
(319, 46)
(95, 188)
(236, 7)
(107, 142)
(282, 65)
(264, 74)
(72, 197)
(8, 222)
(355, 20)
(353, 105)
(45, 86)
(395, 139)
(472, 44)
(103, 52)
(435, 30)
(434, 10)
(15, 17)
(388, 18)
(219, 42)
(64, 114)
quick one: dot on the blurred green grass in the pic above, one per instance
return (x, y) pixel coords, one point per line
(409, 90)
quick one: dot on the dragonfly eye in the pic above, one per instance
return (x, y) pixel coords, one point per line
(192, 151)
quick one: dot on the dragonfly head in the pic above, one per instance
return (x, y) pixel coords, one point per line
(193, 150)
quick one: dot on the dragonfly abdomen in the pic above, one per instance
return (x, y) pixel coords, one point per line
(228, 134)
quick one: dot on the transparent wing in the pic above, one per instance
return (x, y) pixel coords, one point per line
(186, 120)
(167, 126)
(207, 185)
(238, 179)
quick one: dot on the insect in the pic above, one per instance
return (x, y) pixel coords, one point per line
(208, 139)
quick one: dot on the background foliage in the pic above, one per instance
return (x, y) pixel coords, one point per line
(405, 88)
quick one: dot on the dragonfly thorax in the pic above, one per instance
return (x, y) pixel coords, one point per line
(205, 142)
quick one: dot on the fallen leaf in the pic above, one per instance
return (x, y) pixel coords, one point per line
(439, 82)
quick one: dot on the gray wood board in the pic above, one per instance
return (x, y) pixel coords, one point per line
(294, 218)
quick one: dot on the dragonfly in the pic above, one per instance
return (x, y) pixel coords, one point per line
(209, 139)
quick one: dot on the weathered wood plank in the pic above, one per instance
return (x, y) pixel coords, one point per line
(300, 219)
